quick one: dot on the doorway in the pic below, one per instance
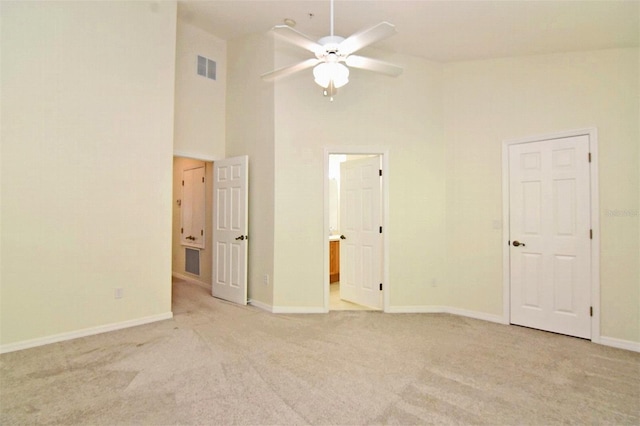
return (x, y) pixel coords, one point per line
(551, 255)
(210, 236)
(356, 212)
(191, 222)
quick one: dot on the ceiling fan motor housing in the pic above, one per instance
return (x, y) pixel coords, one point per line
(330, 46)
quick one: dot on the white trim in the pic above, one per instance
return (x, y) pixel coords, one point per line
(297, 310)
(620, 343)
(192, 280)
(595, 242)
(41, 341)
(477, 315)
(417, 309)
(434, 309)
(506, 226)
(195, 156)
(383, 152)
(260, 305)
(592, 133)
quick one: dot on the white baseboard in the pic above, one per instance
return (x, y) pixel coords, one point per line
(603, 340)
(478, 315)
(41, 341)
(432, 309)
(620, 343)
(393, 309)
(287, 309)
(191, 279)
(416, 309)
(258, 304)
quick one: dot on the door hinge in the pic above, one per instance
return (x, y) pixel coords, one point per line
(380, 172)
(590, 311)
(380, 286)
(589, 157)
(203, 179)
(202, 232)
(591, 234)
(182, 230)
(182, 183)
(381, 229)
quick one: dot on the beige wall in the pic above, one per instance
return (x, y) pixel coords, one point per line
(87, 125)
(444, 125)
(87, 150)
(487, 102)
(199, 130)
(178, 250)
(250, 131)
(403, 116)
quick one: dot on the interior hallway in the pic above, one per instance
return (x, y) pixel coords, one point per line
(219, 363)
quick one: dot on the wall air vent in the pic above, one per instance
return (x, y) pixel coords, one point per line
(206, 67)
(192, 261)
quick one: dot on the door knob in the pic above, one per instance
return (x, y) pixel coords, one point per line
(342, 237)
(518, 243)
(241, 237)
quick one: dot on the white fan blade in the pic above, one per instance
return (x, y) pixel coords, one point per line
(296, 37)
(366, 37)
(376, 65)
(288, 70)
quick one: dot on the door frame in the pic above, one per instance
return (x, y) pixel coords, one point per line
(592, 134)
(384, 159)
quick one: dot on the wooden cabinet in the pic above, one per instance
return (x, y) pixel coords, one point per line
(334, 261)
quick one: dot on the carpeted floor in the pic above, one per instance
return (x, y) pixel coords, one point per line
(217, 363)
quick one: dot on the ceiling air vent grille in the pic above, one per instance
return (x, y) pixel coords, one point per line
(206, 67)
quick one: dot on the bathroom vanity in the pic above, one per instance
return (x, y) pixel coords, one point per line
(334, 259)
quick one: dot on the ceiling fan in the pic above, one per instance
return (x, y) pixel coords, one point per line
(334, 54)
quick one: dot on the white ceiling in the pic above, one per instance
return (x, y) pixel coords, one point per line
(441, 31)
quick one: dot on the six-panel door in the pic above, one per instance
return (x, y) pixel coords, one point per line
(550, 235)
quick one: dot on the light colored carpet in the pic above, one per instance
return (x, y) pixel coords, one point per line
(217, 363)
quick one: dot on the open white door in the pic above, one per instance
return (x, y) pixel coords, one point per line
(360, 224)
(230, 233)
(549, 233)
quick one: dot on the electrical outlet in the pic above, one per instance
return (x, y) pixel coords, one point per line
(118, 293)
(265, 279)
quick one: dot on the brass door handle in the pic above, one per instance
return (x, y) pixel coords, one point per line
(518, 243)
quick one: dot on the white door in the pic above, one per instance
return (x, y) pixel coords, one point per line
(230, 234)
(549, 233)
(360, 223)
(193, 208)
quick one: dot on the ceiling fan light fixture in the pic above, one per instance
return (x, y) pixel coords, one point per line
(334, 54)
(328, 72)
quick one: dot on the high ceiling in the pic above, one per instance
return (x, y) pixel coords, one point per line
(442, 31)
